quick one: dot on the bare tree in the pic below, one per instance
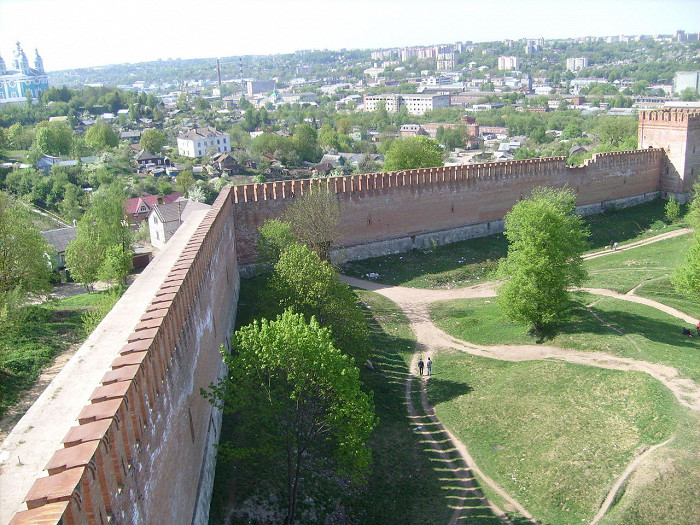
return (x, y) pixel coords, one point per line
(315, 220)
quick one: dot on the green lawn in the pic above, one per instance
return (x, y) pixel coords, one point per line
(554, 435)
(624, 270)
(636, 331)
(663, 291)
(37, 335)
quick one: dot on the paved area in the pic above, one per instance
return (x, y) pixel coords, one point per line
(35, 438)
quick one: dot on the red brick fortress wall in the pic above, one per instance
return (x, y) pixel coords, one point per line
(142, 451)
(378, 207)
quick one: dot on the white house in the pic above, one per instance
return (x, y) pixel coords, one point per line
(165, 219)
(196, 142)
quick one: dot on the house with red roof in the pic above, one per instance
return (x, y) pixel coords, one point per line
(138, 208)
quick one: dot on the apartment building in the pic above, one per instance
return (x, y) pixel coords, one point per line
(415, 104)
(196, 142)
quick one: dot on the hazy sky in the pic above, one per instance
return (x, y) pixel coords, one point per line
(81, 33)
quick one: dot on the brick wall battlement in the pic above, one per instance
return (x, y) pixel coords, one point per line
(380, 206)
(675, 115)
(147, 422)
(289, 189)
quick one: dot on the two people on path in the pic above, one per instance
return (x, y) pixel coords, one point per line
(428, 366)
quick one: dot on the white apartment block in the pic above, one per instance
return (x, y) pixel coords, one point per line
(508, 63)
(445, 61)
(576, 64)
(415, 104)
(196, 142)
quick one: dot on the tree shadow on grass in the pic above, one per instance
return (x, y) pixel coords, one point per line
(444, 390)
(599, 322)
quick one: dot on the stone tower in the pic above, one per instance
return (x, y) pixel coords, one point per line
(677, 131)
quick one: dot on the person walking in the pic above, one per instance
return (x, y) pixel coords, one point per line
(429, 366)
(420, 366)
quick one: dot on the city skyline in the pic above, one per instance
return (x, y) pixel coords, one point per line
(75, 33)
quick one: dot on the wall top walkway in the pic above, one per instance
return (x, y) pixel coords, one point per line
(37, 436)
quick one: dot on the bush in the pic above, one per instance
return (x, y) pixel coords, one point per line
(672, 209)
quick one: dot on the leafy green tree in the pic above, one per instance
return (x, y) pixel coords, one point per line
(314, 219)
(275, 236)
(525, 153)
(103, 239)
(686, 278)
(617, 132)
(115, 264)
(101, 136)
(69, 206)
(54, 138)
(413, 152)
(153, 140)
(299, 403)
(302, 281)
(305, 143)
(572, 131)
(19, 137)
(24, 263)
(451, 138)
(83, 258)
(545, 242)
(201, 104)
(689, 95)
(184, 181)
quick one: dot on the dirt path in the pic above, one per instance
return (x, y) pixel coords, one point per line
(430, 339)
(636, 244)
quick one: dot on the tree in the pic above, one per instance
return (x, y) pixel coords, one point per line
(153, 140)
(451, 138)
(305, 143)
(545, 242)
(54, 138)
(24, 267)
(103, 240)
(686, 278)
(302, 281)
(413, 152)
(689, 95)
(618, 132)
(572, 131)
(275, 237)
(69, 206)
(101, 136)
(298, 402)
(314, 219)
(672, 209)
(184, 181)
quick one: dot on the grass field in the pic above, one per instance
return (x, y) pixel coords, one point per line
(624, 270)
(38, 334)
(627, 330)
(583, 424)
(554, 435)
